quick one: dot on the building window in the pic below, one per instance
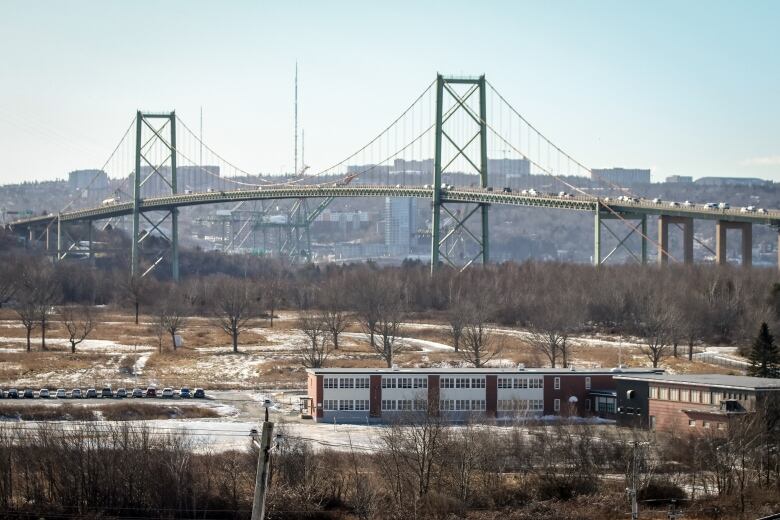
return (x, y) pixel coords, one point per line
(462, 405)
(587, 383)
(446, 404)
(504, 382)
(361, 405)
(557, 383)
(652, 422)
(685, 395)
(695, 396)
(462, 382)
(521, 382)
(587, 404)
(420, 405)
(447, 382)
(691, 423)
(721, 426)
(706, 398)
(388, 382)
(706, 424)
(346, 405)
(330, 382)
(346, 382)
(361, 382)
(388, 405)
(404, 382)
(477, 382)
(605, 404)
(663, 393)
(536, 383)
(674, 394)
(421, 382)
(537, 405)
(557, 404)
(478, 405)
(405, 405)
(330, 404)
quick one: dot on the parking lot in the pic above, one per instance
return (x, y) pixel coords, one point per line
(150, 392)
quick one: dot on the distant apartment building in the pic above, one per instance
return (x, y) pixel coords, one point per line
(88, 179)
(501, 172)
(733, 181)
(679, 179)
(384, 394)
(621, 176)
(689, 402)
(400, 225)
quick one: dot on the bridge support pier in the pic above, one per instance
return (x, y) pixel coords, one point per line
(639, 228)
(461, 105)
(746, 228)
(663, 237)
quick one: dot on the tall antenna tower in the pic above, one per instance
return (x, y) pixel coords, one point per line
(295, 171)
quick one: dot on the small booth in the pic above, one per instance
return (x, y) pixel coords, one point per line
(307, 407)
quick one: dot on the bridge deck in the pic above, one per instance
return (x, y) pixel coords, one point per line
(465, 195)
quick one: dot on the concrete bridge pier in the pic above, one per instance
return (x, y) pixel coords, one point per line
(663, 237)
(746, 228)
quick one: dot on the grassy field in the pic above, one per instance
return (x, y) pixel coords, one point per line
(120, 353)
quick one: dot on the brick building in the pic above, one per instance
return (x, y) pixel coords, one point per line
(380, 394)
(689, 402)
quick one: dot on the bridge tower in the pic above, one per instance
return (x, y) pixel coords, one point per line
(446, 88)
(155, 169)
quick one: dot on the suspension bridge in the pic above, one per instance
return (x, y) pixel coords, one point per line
(462, 123)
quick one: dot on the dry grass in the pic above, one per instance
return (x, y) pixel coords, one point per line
(121, 411)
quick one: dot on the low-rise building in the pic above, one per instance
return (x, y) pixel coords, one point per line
(689, 402)
(384, 394)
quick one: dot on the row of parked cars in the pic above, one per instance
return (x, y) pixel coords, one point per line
(105, 393)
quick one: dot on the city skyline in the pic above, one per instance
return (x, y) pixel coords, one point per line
(688, 94)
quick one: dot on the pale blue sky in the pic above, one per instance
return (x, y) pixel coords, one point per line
(680, 87)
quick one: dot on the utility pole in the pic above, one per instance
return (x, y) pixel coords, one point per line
(295, 171)
(263, 463)
(632, 490)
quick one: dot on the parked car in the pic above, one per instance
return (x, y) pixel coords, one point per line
(138, 392)
(184, 393)
(13, 393)
(43, 393)
(1, 393)
(199, 393)
(167, 393)
(121, 393)
(106, 392)
(61, 393)
(91, 393)
(28, 393)
(75, 393)
(151, 392)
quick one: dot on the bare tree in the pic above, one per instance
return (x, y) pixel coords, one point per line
(654, 323)
(554, 316)
(456, 320)
(172, 317)
(389, 315)
(135, 289)
(335, 314)
(233, 307)
(28, 315)
(479, 344)
(367, 291)
(9, 281)
(314, 350)
(273, 292)
(43, 290)
(78, 322)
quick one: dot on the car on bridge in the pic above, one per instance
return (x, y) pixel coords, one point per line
(748, 209)
(674, 204)
(687, 204)
(723, 205)
(657, 201)
(709, 205)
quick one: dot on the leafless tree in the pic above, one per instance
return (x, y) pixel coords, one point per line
(135, 288)
(389, 316)
(314, 350)
(43, 290)
(456, 319)
(367, 294)
(654, 323)
(9, 281)
(273, 293)
(172, 317)
(28, 315)
(480, 345)
(78, 322)
(233, 307)
(335, 314)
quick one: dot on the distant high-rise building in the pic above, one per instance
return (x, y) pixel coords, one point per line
(399, 225)
(679, 179)
(92, 179)
(621, 176)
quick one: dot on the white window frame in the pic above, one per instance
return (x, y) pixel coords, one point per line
(362, 405)
(556, 405)
(478, 382)
(389, 405)
(362, 382)
(447, 382)
(420, 382)
(330, 382)
(346, 382)
(330, 405)
(557, 383)
(346, 405)
(587, 383)
(388, 382)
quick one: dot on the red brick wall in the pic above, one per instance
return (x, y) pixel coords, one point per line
(433, 394)
(573, 384)
(491, 395)
(669, 416)
(318, 396)
(375, 396)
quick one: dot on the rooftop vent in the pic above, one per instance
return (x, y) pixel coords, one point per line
(521, 366)
(395, 368)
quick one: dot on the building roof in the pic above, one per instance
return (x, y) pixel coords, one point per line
(714, 380)
(488, 370)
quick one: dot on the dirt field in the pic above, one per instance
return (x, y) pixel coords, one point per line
(120, 353)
